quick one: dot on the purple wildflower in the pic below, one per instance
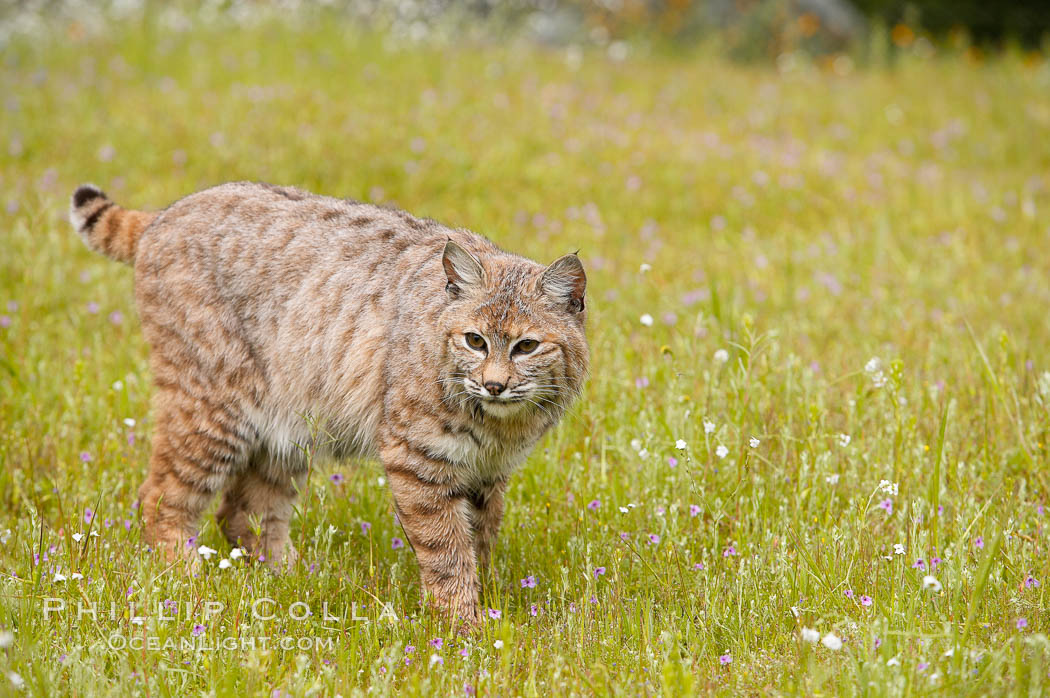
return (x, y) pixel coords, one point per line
(919, 564)
(366, 526)
(641, 382)
(198, 630)
(922, 666)
(594, 505)
(625, 536)
(729, 551)
(88, 515)
(336, 478)
(848, 593)
(495, 613)
(529, 582)
(865, 600)
(92, 308)
(409, 649)
(698, 566)
(978, 542)
(1022, 623)
(534, 610)
(726, 659)
(887, 505)
(598, 571)
(694, 509)
(397, 544)
(654, 539)
(934, 562)
(116, 317)
(85, 457)
(1030, 582)
(437, 642)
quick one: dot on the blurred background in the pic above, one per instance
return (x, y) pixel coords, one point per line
(742, 29)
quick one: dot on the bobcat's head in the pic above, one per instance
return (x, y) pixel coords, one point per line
(514, 332)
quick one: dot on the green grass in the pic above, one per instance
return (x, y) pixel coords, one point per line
(801, 222)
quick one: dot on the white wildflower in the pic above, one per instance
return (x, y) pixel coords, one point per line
(898, 549)
(436, 659)
(894, 662)
(624, 510)
(930, 582)
(236, 553)
(129, 421)
(721, 451)
(888, 487)
(832, 642)
(118, 385)
(810, 635)
(646, 267)
(709, 427)
(844, 440)
(874, 370)
(206, 552)
(832, 479)
(646, 320)
(7, 638)
(59, 577)
(636, 444)
(381, 481)
(76, 575)
(680, 444)
(225, 564)
(77, 537)
(754, 442)
(644, 453)
(721, 356)
(17, 681)
(498, 644)
(5, 536)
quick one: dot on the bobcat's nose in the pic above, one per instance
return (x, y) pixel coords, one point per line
(494, 388)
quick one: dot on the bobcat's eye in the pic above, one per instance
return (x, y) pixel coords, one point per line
(526, 346)
(475, 341)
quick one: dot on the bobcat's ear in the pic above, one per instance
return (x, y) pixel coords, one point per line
(565, 282)
(461, 268)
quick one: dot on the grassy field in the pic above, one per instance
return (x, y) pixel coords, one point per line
(818, 407)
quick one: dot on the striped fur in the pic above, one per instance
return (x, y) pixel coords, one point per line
(106, 227)
(280, 320)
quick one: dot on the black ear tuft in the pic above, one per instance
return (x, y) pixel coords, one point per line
(566, 282)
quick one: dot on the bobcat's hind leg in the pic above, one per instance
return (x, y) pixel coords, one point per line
(257, 509)
(197, 447)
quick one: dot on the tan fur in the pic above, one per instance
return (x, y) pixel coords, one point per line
(106, 227)
(270, 309)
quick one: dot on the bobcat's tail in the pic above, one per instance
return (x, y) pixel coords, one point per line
(106, 227)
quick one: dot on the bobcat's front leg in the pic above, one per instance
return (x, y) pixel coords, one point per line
(437, 519)
(488, 515)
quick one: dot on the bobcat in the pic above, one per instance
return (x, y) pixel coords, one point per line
(269, 307)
